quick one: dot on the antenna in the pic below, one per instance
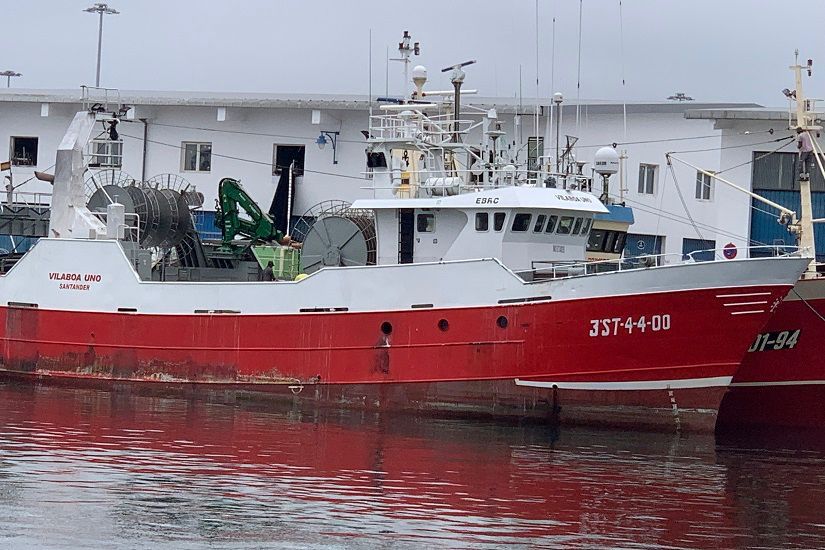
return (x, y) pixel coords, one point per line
(457, 78)
(579, 70)
(405, 50)
(370, 75)
(537, 76)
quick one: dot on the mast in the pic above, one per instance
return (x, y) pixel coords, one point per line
(805, 122)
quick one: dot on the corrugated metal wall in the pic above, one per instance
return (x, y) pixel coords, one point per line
(766, 230)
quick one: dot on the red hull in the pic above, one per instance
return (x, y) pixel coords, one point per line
(468, 364)
(782, 383)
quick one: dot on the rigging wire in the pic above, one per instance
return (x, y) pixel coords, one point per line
(786, 139)
(760, 157)
(684, 203)
(667, 140)
(678, 218)
(247, 133)
(241, 159)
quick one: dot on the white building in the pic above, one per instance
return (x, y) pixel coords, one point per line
(204, 137)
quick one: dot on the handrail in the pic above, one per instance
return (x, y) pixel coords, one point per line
(564, 269)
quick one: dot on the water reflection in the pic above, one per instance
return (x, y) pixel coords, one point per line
(90, 468)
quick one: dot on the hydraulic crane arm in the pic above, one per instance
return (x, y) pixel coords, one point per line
(232, 198)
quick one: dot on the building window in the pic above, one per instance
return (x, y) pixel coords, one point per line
(521, 222)
(24, 151)
(197, 157)
(283, 156)
(647, 178)
(704, 186)
(425, 223)
(482, 221)
(498, 220)
(539, 225)
(106, 153)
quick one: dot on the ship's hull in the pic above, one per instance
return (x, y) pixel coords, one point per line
(781, 382)
(478, 341)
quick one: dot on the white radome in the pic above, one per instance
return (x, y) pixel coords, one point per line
(606, 161)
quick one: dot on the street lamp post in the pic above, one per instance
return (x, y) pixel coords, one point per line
(101, 9)
(8, 75)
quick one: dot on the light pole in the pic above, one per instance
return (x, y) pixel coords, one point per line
(8, 75)
(101, 9)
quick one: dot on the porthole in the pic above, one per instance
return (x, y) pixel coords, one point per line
(386, 328)
(502, 321)
(443, 325)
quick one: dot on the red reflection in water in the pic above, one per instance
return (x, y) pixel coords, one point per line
(169, 469)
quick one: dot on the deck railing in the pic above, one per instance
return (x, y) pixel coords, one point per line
(542, 269)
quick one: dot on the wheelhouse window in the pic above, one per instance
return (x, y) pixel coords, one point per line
(601, 240)
(565, 225)
(577, 226)
(647, 178)
(106, 153)
(197, 157)
(618, 244)
(551, 224)
(498, 221)
(521, 222)
(586, 226)
(704, 186)
(425, 223)
(24, 151)
(595, 243)
(482, 221)
(610, 241)
(539, 225)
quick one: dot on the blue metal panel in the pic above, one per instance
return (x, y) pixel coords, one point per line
(639, 244)
(692, 245)
(617, 213)
(16, 244)
(765, 230)
(205, 224)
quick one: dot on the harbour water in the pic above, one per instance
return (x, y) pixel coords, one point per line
(88, 468)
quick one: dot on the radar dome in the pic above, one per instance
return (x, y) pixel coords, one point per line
(606, 161)
(419, 78)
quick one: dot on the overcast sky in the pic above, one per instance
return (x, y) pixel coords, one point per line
(713, 50)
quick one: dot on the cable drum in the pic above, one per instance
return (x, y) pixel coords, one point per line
(162, 214)
(341, 238)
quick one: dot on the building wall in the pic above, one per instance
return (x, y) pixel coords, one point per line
(242, 148)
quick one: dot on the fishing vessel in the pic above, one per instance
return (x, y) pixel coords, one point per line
(459, 288)
(781, 382)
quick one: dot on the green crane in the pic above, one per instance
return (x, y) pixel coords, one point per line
(259, 227)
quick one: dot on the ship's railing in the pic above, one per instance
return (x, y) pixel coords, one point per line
(107, 98)
(545, 269)
(433, 130)
(29, 199)
(472, 180)
(131, 231)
